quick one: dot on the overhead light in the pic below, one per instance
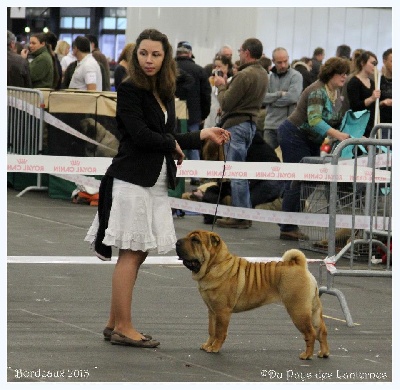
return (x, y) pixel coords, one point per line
(27, 29)
(45, 30)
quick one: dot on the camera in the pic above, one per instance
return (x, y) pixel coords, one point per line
(217, 72)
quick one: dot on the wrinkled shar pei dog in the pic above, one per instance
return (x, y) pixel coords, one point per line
(108, 142)
(231, 284)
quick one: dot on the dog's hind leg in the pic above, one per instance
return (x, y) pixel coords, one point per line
(320, 327)
(301, 317)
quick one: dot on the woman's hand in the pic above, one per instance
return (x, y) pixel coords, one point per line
(219, 80)
(376, 95)
(178, 154)
(338, 135)
(386, 102)
(215, 134)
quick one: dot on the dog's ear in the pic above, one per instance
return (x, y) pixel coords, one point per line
(215, 239)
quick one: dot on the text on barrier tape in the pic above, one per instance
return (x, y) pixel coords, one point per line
(301, 219)
(204, 169)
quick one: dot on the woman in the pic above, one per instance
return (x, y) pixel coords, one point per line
(361, 91)
(235, 67)
(41, 67)
(134, 213)
(304, 66)
(121, 70)
(62, 49)
(222, 64)
(318, 115)
(385, 104)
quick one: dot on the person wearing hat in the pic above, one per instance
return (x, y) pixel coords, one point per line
(198, 98)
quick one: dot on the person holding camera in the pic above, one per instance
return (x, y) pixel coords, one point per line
(221, 66)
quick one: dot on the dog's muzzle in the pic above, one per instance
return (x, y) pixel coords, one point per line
(192, 265)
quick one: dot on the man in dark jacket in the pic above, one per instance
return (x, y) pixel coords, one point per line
(198, 98)
(18, 74)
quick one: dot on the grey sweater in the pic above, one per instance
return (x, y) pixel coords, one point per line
(279, 107)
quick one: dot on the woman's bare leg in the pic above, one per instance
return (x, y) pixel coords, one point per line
(123, 282)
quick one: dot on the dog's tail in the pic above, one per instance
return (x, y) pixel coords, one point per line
(294, 256)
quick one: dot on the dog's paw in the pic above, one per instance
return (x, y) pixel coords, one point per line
(323, 354)
(305, 356)
(209, 348)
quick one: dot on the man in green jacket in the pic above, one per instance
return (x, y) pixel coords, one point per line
(240, 100)
(41, 63)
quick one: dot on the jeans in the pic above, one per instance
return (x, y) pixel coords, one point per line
(193, 154)
(294, 145)
(236, 150)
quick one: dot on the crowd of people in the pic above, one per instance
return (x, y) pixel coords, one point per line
(46, 62)
(304, 104)
(288, 102)
(301, 102)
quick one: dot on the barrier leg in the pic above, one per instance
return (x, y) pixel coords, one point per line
(342, 301)
(37, 187)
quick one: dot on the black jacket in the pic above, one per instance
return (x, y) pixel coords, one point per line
(307, 77)
(145, 137)
(199, 97)
(260, 151)
(18, 73)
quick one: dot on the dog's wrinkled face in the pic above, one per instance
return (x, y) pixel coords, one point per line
(88, 127)
(196, 248)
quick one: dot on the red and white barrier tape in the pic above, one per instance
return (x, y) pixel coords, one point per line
(274, 172)
(330, 263)
(302, 219)
(51, 119)
(205, 169)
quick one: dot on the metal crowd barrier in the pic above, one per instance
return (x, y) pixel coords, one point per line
(25, 125)
(367, 251)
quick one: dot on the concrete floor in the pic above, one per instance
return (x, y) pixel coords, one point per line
(56, 311)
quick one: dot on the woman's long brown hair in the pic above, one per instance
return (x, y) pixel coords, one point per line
(166, 78)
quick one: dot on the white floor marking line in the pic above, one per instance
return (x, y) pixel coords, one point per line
(151, 260)
(160, 352)
(59, 321)
(47, 220)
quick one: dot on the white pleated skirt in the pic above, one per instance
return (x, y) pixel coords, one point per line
(140, 218)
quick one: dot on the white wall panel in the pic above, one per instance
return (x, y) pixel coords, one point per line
(319, 28)
(384, 33)
(268, 30)
(285, 22)
(336, 30)
(369, 35)
(301, 35)
(300, 30)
